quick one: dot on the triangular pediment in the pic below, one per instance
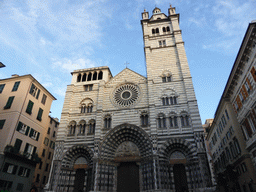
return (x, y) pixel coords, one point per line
(125, 76)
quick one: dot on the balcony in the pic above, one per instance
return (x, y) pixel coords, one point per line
(25, 157)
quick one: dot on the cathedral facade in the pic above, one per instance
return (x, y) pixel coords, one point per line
(130, 132)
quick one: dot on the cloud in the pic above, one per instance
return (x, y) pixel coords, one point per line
(69, 65)
(201, 22)
(232, 17)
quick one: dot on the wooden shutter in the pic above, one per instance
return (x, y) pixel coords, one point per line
(27, 130)
(31, 132)
(34, 151)
(253, 72)
(9, 103)
(38, 92)
(14, 169)
(234, 108)
(28, 173)
(248, 127)
(17, 145)
(253, 120)
(250, 86)
(19, 126)
(38, 134)
(2, 123)
(39, 115)
(26, 148)
(29, 107)
(239, 103)
(245, 92)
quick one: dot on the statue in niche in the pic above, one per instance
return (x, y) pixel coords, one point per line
(127, 148)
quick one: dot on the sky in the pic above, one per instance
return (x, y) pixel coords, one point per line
(50, 39)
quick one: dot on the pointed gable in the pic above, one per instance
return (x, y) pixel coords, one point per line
(127, 75)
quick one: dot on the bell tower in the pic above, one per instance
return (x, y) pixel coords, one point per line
(166, 60)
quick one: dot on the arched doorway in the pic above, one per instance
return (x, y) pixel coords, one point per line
(127, 154)
(180, 178)
(129, 150)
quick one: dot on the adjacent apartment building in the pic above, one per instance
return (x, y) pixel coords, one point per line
(24, 120)
(232, 137)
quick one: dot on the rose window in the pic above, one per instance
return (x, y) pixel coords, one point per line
(126, 95)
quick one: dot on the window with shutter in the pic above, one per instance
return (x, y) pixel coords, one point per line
(2, 87)
(16, 86)
(17, 145)
(9, 102)
(253, 72)
(2, 121)
(29, 107)
(39, 115)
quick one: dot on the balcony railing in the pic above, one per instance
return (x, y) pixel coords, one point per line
(12, 152)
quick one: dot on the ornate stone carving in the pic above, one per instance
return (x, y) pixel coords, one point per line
(127, 148)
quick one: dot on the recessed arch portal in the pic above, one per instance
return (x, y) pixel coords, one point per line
(75, 153)
(124, 133)
(177, 146)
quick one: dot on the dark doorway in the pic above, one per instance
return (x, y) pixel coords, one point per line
(79, 180)
(128, 177)
(180, 178)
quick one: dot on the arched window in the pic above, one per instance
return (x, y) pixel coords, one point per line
(164, 30)
(89, 108)
(166, 78)
(100, 75)
(107, 122)
(157, 30)
(83, 108)
(91, 127)
(144, 119)
(153, 31)
(173, 100)
(161, 121)
(173, 120)
(84, 77)
(82, 126)
(86, 105)
(79, 78)
(184, 119)
(167, 28)
(72, 128)
(89, 77)
(95, 76)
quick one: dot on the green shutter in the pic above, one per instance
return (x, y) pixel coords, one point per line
(34, 151)
(26, 148)
(20, 171)
(38, 134)
(19, 126)
(2, 123)
(2, 88)
(32, 88)
(38, 92)
(39, 115)
(16, 85)
(27, 130)
(6, 165)
(14, 170)
(17, 145)
(29, 107)
(28, 173)
(31, 132)
(9, 103)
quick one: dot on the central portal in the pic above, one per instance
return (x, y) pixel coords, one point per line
(128, 177)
